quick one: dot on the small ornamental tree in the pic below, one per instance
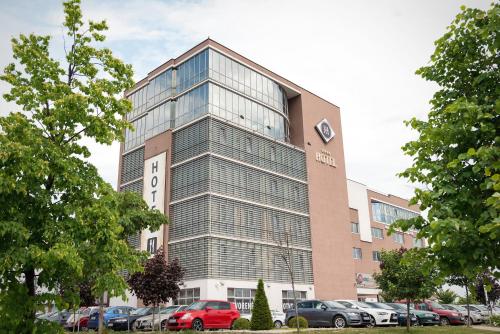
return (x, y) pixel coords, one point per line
(406, 275)
(261, 314)
(487, 289)
(159, 282)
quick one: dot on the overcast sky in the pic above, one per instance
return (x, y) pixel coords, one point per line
(360, 55)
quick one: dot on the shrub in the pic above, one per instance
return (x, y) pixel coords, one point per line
(241, 323)
(302, 322)
(261, 314)
(495, 320)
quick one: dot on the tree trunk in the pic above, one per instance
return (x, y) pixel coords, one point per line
(467, 299)
(153, 321)
(29, 281)
(101, 315)
(408, 320)
(74, 319)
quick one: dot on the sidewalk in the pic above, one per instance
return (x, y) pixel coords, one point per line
(487, 328)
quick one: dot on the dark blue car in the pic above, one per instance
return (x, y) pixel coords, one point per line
(109, 313)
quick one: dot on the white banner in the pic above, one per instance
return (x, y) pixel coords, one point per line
(154, 181)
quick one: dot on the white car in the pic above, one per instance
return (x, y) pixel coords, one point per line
(378, 316)
(278, 318)
(145, 323)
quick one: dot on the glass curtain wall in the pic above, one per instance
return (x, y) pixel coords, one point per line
(388, 214)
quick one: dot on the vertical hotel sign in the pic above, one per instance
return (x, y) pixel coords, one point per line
(154, 192)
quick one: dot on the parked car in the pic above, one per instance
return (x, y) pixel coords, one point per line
(446, 317)
(475, 317)
(145, 323)
(481, 309)
(278, 318)
(402, 314)
(109, 313)
(59, 317)
(378, 317)
(326, 313)
(423, 317)
(205, 314)
(127, 321)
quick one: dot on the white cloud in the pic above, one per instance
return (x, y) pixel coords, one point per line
(360, 55)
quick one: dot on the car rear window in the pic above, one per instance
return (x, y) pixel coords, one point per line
(224, 306)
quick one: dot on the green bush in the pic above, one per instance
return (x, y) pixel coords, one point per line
(261, 314)
(495, 320)
(241, 323)
(302, 322)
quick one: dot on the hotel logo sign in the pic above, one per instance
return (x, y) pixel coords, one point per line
(325, 130)
(325, 157)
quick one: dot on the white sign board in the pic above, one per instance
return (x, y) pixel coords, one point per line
(154, 181)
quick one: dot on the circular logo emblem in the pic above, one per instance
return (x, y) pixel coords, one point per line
(326, 130)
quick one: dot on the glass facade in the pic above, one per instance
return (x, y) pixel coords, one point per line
(236, 94)
(287, 298)
(388, 214)
(242, 298)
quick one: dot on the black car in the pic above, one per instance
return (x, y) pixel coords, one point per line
(126, 322)
(327, 313)
(401, 313)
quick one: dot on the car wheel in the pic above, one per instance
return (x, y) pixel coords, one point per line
(339, 322)
(372, 322)
(417, 323)
(278, 324)
(197, 325)
(444, 321)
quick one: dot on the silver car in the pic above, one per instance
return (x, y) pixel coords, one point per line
(475, 317)
(146, 323)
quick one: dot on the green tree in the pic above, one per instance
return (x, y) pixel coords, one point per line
(261, 314)
(60, 223)
(456, 157)
(407, 275)
(446, 296)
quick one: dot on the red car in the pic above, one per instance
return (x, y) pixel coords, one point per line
(205, 314)
(447, 317)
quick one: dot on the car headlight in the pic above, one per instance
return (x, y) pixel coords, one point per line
(382, 313)
(454, 314)
(353, 314)
(186, 316)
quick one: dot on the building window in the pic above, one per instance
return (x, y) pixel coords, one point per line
(376, 256)
(243, 298)
(377, 233)
(388, 214)
(151, 245)
(418, 242)
(223, 136)
(399, 238)
(188, 296)
(249, 145)
(273, 153)
(287, 298)
(355, 228)
(356, 253)
(274, 187)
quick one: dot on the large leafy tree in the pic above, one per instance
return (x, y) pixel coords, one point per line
(159, 281)
(60, 223)
(407, 275)
(456, 157)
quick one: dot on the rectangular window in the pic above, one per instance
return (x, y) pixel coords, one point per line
(188, 296)
(242, 298)
(248, 145)
(273, 153)
(355, 228)
(376, 256)
(418, 242)
(287, 298)
(151, 245)
(399, 238)
(377, 233)
(356, 253)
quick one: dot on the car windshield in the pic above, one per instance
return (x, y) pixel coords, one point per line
(481, 307)
(197, 306)
(448, 307)
(140, 311)
(333, 304)
(361, 304)
(169, 309)
(380, 305)
(437, 306)
(459, 308)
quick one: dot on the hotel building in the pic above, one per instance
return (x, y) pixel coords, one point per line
(240, 158)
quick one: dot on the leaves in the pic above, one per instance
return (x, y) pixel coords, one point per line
(457, 155)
